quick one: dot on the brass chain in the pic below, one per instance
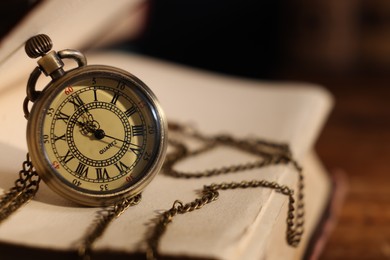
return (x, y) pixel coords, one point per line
(26, 186)
(103, 219)
(270, 154)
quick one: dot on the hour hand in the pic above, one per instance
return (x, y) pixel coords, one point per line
(88, 126)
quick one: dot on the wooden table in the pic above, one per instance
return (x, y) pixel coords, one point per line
(356, 139)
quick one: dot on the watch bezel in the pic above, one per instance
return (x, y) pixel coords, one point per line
(37, 150)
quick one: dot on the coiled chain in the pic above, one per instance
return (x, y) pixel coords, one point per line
(270, 154)
(102, 220)
(26, 186)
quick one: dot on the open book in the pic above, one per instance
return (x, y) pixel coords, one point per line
(241, 224)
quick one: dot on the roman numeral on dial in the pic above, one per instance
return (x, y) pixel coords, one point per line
(67, 157)
(76, 101)
(138, 130)
(62, 137)
(122, 168)
(129, 112)
(115, 98)
(136, 149)
(82, 170)
(63, 116)
(95, 94)
(102, 174)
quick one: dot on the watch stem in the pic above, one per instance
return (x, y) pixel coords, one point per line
(38, 45)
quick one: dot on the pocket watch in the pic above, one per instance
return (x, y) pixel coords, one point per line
(95, 133)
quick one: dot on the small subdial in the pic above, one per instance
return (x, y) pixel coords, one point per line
(102, 147)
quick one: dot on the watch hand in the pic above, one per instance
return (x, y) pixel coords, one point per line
(100, 134)
(94, 127)
(89, 115)
(89, 126)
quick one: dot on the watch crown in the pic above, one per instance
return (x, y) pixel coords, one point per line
(38, 45)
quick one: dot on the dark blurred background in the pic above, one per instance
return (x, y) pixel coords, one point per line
(343, 45)
(265, 37)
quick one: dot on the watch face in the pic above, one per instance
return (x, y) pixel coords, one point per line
(101, 135)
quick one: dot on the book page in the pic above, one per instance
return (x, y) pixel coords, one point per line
(71, 24)
(283, 112)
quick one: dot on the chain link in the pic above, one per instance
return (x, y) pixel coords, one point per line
(270, 154)
(26, 186)
(103, 219)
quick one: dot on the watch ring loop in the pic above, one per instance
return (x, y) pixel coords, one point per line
(32, 94)
(25, 108)
(75, 55)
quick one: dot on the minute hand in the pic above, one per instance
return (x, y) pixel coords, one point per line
(100, 134)
(117, 139)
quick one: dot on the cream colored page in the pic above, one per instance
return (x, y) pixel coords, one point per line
(290, 113)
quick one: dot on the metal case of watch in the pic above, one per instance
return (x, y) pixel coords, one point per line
(95, 134)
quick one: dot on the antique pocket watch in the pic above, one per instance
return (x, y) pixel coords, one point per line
(95, 134)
